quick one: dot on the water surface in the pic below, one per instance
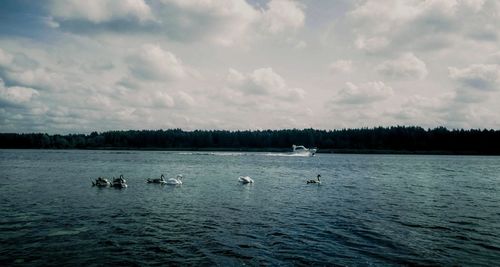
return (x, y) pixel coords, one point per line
(370, 209)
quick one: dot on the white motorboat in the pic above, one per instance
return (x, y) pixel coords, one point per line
(302, 150)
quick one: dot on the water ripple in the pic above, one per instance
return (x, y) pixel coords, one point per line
(370, 210)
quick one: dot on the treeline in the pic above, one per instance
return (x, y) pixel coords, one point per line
(398, 139)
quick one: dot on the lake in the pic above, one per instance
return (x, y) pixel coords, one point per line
(369, 209)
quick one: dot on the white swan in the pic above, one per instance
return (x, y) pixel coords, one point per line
(245, 180)
(312, 181)
(175, 181)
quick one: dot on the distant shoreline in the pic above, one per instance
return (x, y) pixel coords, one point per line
(380, 140)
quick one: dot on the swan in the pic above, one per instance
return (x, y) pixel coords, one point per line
(101, 182)
(175, 181)
(245, 180)
(158, 181)
(119, 182)
(317, 181)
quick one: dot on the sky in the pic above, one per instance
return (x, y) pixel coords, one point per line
(96, 65)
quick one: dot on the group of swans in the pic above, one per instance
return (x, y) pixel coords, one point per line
(172, 181)
(248, 180)
(119, 182)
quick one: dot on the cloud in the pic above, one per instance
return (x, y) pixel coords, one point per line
(387, 25)
(162, 100)
(300, 44)
(340, 66)
(263, 81)
(19, 69)
(151, 62)
(185, 99)
(423, 110)
(100, 11)
(16, 95)
(222, 22)
(283, 15)
(407, 66)
(371, 44)
(38, 78)
(495, 58)
(364, 93)
(477, 76)
(5, 58)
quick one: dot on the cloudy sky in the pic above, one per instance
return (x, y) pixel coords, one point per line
(79, 66)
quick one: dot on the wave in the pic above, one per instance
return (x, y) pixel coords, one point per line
(214, 153)
(270, 154)
(285, 155)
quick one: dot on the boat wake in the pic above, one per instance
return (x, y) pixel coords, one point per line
(214, 153)
(239, 154)
(285, 155)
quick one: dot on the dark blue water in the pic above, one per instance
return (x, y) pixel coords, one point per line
(370, 209)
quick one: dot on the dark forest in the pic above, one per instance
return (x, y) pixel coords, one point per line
(399, 139)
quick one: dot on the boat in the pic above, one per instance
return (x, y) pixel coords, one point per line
(161, 180)
(302, 150)
(119, 182)
(101, 182)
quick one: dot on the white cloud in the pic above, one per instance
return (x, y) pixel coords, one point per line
(100, 11)
(263, 81)
(477, 76)
(283, 15)
(38, 78)
(300, 45)
(151, 62)
(223, 22)
(364, 93)
(50, 22)
(407, 66)
(387, 25)
(495, 58)
(185, 100)
(296, 94)
(372, 44)
(99, 102)
(341, 66)
(16, 95)
(20, 69)
(5, 58)
(162, 99)
(424, 111)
